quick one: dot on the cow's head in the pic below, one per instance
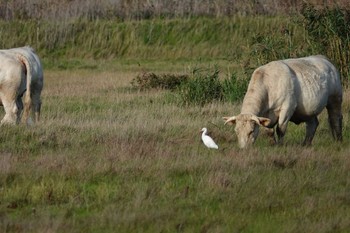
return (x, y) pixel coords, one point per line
(247, 127)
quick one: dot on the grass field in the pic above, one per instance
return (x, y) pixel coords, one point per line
(109, 158)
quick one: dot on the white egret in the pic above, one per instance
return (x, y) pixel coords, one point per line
(208, 141)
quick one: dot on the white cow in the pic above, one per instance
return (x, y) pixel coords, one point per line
(20, 74)
(294, 90)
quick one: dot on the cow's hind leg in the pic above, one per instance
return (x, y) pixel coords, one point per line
(311, 127)
(36, 106)
(19, 104)
(10, 111)
(335, 117)
(37, 111)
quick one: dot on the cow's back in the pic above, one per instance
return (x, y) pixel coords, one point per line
(315, 71)
(33, 59)
(316, 80)
(8, 66)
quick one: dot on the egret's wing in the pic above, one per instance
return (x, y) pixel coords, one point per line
(209, 142)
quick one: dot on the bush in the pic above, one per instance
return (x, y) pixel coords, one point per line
(165, 81)
(234, 88)
(201, 88)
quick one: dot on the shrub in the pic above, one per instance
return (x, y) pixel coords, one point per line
(202, 87)
(148, 80)
(234, 88)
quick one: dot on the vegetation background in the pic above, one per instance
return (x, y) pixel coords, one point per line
(129, 85)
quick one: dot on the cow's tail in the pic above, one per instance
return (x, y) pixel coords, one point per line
(27, 95)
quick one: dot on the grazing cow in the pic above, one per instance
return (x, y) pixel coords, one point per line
(20, 74)
(294, 90)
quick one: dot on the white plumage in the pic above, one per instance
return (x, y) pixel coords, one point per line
(208, 141)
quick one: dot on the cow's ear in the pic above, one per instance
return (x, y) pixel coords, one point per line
(261, 120)
(230, 120)
(264, 121)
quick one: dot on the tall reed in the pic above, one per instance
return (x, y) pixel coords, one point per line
(228, 38)
(329, 34)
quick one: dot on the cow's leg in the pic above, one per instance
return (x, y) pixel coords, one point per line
(37, 112)
(281, 131)
(311, 127)
(270, 132)
(335, 117)
(10, 111)
(284, 117)
(19, 104)
(36, 106)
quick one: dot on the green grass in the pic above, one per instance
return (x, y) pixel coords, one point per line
(108, 158)
(246, 41)
(159, 39)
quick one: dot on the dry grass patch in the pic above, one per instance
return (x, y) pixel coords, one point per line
(109, 158)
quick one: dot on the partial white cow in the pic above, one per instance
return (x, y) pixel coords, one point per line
(12, 86)
(294, 90)
(20, 74)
